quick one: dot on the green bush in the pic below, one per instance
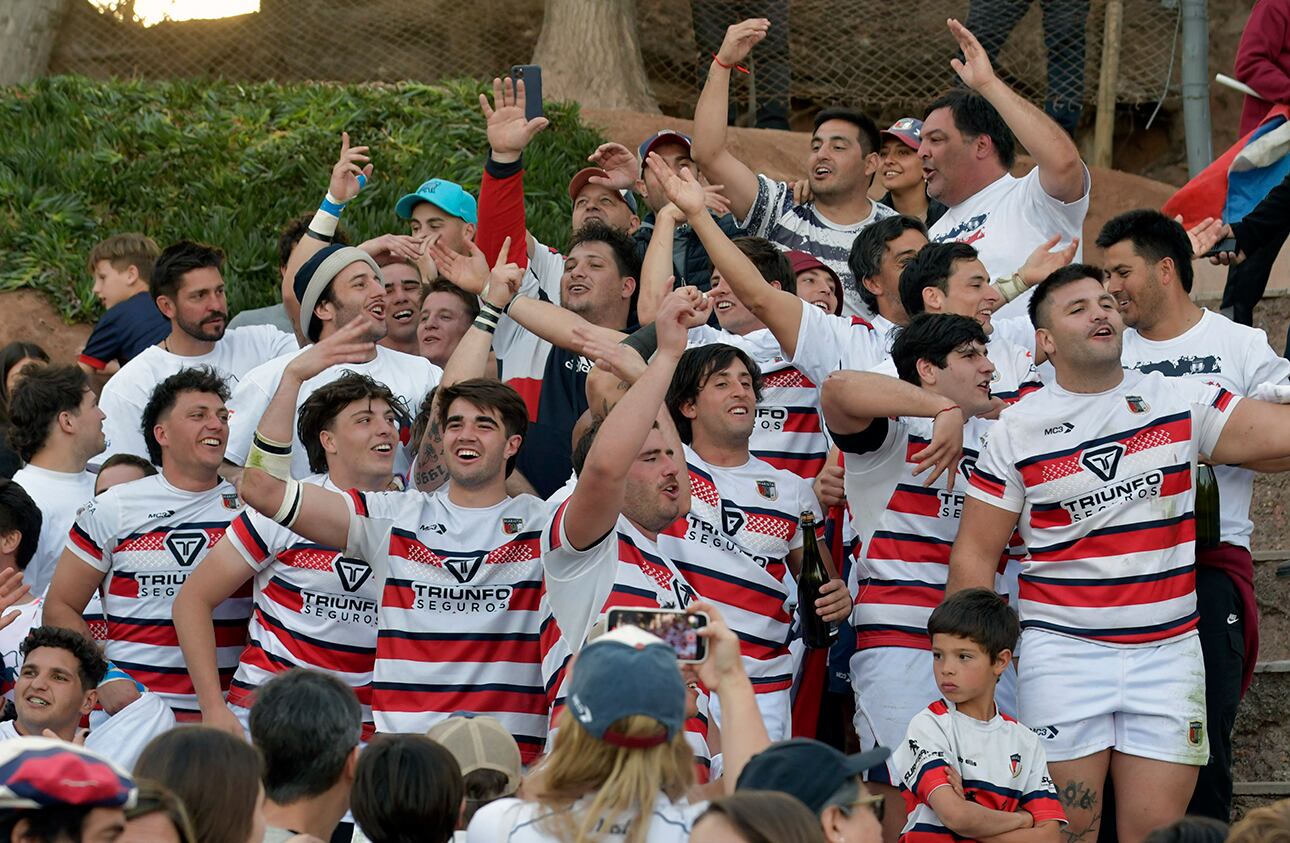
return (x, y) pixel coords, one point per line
(230, 164)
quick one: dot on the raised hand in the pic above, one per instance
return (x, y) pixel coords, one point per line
(352, 163)
(716, 200)
(682, 190)
(974, 68)
(509, 131)
(469, 272)
(740, 40)
(1041, 263)
(504, 281)
(352, 343)
(619, 162)
(675, 313)
(723, 662)
(12, 591)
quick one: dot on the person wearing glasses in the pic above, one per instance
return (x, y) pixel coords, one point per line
(824, 780)
(968, 770)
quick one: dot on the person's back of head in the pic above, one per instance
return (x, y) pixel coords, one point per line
(757, 816)
(215, 775)
(1190, 829)
(407, 789)
(158, 814)
(20, 522)
(14, 360)
(1268, 824)
(307, 726)
(488, 756)
(38, 402)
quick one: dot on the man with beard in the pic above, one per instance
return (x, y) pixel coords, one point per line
(335, 285)
(1148, 260)
(188, 287)
(840, 168)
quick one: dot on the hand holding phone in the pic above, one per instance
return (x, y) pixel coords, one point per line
(531, 76)
(678, 629)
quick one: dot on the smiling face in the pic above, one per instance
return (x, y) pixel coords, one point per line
(656, 492)
(816, 287)
(963, 669)
(1135, 284)
(444, 321)
(965, 380)
(402, 289)
(361, 440)
(476, 445)
(725, 410)
(838, 165)
(355, 293)
(899, 166)
(1081, 328)
(731, 313)
(592, 285)
(48, 693)
(597, 202)
(199, 307)
(194, 433)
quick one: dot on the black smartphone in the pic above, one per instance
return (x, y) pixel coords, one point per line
(531, 76)
(1228, 245)
(680, 630)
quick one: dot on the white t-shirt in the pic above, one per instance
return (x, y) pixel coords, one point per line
(408, 377)
(60, 496)
(1220, 352)
(775, 216)
(127, 392)
(828, 343)
(1007, 220)
(518, 821)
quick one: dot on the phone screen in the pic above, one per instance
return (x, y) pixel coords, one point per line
(680, 630)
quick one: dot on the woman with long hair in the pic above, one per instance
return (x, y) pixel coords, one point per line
(215, 775)
(157, 817)
(757, 816)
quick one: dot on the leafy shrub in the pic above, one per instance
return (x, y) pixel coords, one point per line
(230, 164)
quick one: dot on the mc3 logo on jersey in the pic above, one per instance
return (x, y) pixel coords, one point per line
(186, 547)
(352, 572)
(1103, 461)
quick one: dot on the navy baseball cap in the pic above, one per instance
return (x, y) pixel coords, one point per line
(906, 129)
(449, 197)
(624, 672)
(807, 769)
(662, 136)
(46, 773)
(583, 177)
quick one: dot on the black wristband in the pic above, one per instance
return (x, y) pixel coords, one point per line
(500, 170)
(645, 341)
(315, 235)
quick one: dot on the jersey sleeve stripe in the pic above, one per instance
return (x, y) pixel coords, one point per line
(986, 482)
(81, 540)
(245, 537)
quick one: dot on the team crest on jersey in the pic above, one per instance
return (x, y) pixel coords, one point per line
(1137, 404)
(463, 569)
(186, 547)
(766, 488)
(352, 572)
(1014, 764)
(1104, 461)
(230, 500)
(732, 519)
(1196, 732)
(511, 526)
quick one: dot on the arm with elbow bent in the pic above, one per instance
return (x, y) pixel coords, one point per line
(1048, 831)
(968, 819)
(348, 176)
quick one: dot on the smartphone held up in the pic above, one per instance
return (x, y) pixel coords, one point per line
(679, 630)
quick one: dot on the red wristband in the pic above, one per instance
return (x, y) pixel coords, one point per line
(946, 410)
(738, 67)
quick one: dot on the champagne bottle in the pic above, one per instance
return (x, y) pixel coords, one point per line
(1207, 521)
(815, 629)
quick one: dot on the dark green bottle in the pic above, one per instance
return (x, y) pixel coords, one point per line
(813, 576)
(1207, 521)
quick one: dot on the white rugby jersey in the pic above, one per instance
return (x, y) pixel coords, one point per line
(907, 529)
(409, 377)
(1224, 353)
(1103, 488)
(1001, 763)
(789, 431)
(626, 569)
(146, 537)
(828, 343)
(460, 617)
(315, 608)
(127, 392)
(732, 547)
(1014, 375)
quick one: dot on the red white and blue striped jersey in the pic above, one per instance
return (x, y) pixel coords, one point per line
(625, 568)
(146, 537)
(1103, 488)
(732, 548)
(459, 618)
(906, 531)
(1001, 763)
(828, 343)
(1014, 377)
(789, 431)
(315, 608)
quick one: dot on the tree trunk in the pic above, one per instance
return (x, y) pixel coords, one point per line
(589, 53)
(28, 29)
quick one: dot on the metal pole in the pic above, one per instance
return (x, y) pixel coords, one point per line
(1195, 85)
(1104, 124)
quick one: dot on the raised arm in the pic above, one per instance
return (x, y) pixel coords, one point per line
(743, 732)
(501, 193)
(348, 176)
(1061, 171)
(221, 573)
(656, 269)
(597, 498)
(710, 115)
(781, 311)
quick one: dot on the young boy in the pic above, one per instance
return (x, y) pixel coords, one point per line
(122, 266)
(969, 771)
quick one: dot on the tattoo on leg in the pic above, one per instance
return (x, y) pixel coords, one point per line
(1078, 798)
